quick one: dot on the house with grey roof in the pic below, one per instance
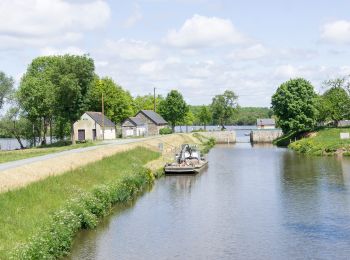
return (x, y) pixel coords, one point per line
(265, 123)
(134, 126)
(94, 126)
(152, 121)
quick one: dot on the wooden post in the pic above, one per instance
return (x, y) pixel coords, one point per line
(103, 119)
(154, 99)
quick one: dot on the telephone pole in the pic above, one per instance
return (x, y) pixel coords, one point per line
(154, 99)
(103, 119)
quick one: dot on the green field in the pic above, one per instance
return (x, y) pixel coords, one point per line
(8, 156)
(24, 212)
(325, 142)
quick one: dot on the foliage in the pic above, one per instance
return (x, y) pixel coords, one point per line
(165, 131)
(146, 102)
(117, 102)
(325, 142)
(6, 87)
(31, 207)
(173, 108)
(334, 105)
(223, 107)
(204, 116)
(248, 115)
(294, 105)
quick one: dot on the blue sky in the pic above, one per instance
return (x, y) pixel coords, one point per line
(199, 47)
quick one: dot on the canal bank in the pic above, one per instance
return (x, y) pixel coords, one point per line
(253, 202)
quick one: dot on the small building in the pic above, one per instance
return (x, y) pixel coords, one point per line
(133, 126)
(265, 123)
(343, 123)
(90, 125)
(153, 121)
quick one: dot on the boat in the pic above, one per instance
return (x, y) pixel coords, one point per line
(188, 161)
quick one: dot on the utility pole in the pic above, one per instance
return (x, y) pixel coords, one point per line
(103, 119)
(154, 99)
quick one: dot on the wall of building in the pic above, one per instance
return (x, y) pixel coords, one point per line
(267, 127)
(264, 136)
(152, 128)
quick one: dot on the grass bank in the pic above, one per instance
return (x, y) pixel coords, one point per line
(8, 156)
(206, 143)
(323, 142)
(40, 220)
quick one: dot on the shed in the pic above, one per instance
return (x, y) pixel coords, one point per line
(133, 126)
(265, 123)
(343, 123)
(153, 121)
(90, 127)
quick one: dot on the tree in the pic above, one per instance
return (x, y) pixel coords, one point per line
(14, 125)
(72, 77)
(223, 107)
(147, 102)
(334, 104)
(6, 87)
(173, 108)
(204, 116)
(117, 102)
(294, 104)
(188, 120)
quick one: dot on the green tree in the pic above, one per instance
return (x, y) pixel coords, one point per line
(118, 103)
(204, 116)
(335, 104)
(223, 107)
(173, 108)
(72, 77)
(146, 102)
(294, 104)
(6, 87)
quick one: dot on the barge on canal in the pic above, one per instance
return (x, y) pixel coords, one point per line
(188, 161)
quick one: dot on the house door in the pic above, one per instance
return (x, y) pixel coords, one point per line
(81, 134)
(93, 134)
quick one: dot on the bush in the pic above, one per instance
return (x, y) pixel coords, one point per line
(165, 131)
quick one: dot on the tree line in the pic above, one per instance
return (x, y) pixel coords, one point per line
(299, 108)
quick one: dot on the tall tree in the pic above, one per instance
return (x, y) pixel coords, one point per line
(147, 102)
(118, 103)
(204, 116)
(223, 107)
(6, 87)
(294, 104)
(173, 108)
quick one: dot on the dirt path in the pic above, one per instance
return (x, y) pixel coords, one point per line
(34, 170)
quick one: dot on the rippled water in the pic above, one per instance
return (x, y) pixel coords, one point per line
(255, 202)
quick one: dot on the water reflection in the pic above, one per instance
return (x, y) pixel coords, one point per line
(253, 202)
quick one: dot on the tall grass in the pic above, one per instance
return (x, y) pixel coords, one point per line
(41, 219)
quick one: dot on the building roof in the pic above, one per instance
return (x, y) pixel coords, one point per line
(265, 121)
(136, 121)
(153, 116)
(97, 117)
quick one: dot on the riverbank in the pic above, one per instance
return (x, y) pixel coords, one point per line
(27, 173)
(323, 142)
(40, 220)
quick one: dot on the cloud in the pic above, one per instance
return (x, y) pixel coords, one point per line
(202, 31)
(253, 52)
(131, 49)
(135, 16)
(36, 22)
(336, 32)
(68, 50)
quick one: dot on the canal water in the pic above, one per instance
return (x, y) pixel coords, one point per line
(253, 202)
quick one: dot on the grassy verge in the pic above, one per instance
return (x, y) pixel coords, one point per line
(206, 143)
(7, 156)
(40, 220)
(323, 142)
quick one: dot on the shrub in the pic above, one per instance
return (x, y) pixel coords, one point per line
(165, 131)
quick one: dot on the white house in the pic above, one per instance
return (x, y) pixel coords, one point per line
(265, 123)
(90, 127)
(134, 126)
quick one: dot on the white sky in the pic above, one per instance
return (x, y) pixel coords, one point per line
(199, 47)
